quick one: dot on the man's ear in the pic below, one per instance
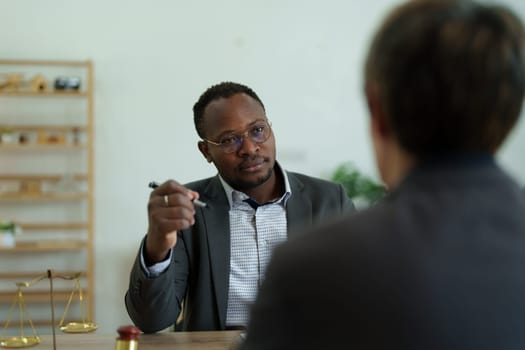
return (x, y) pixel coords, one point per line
(203, 147)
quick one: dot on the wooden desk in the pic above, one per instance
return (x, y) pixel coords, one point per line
(220, 340)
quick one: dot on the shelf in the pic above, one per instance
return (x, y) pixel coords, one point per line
(32, 147)
(58, 197)
(53, 226)
(59, 63)
(48, 178)
(62, 128)
(46, 93)
(40, 296)
(45, 246)
(41, 177)
(18, 276)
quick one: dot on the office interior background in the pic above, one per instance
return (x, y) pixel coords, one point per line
(152, 60)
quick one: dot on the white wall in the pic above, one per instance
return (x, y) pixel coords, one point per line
(152, 61)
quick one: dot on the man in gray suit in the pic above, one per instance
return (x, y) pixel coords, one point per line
(439, 264)
(212, 258)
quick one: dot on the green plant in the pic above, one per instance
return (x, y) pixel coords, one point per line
(9, 227)
(8, 230)
(358, 186)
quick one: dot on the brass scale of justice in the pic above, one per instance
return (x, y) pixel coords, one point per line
(24, 341)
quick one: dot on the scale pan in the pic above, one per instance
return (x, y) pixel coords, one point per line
(79, 327)
(19, 342)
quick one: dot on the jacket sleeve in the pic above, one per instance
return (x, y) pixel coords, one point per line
(347, 204)
(154, 304)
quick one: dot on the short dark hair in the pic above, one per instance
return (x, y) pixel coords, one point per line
(450, 75)
(221, 90)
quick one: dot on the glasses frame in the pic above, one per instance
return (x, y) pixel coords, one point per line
(241, 137)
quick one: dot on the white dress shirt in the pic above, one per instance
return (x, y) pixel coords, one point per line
(255, 230)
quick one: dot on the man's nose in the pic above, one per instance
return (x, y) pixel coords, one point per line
(248, 146)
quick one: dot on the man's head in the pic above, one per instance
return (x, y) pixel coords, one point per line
(446, 76)
(236, 135)
(215, 92)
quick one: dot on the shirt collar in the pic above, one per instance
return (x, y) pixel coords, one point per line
(233, 194)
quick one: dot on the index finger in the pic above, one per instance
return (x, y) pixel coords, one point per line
(171, 186)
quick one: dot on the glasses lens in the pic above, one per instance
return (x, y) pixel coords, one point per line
(230, 144)
(260, 133)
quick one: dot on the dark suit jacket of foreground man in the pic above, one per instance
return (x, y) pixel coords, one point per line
(438, 264)
(200, 266)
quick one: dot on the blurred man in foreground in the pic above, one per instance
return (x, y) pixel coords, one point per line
(439, 263)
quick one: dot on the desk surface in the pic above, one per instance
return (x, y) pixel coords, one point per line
(220, 340)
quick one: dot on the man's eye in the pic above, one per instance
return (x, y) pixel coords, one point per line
(228, 140)
(258, 130)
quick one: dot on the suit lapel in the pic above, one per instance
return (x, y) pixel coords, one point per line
(217, 223)
(299, 206)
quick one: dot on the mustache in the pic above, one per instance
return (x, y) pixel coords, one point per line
(250, 161)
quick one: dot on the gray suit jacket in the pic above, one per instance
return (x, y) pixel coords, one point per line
(437, 265)
(200, 267)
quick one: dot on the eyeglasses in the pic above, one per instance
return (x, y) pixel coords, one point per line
(258, 133)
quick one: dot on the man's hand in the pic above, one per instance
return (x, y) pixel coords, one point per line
(170, 208)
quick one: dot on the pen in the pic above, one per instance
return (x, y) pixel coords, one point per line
(154, 184)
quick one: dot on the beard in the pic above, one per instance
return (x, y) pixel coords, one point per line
(243, 186)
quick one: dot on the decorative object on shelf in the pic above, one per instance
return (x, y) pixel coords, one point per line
(42, 134)
(67, 83)
(56, 138)
(12, 82)
(23, 138)
(128, 338)
(30, 187)
(76, 135)
(23, 341)
(42, 137)
(7, 135)
(46, 137)
(38, 83)
(362, 189)
(8, 230)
